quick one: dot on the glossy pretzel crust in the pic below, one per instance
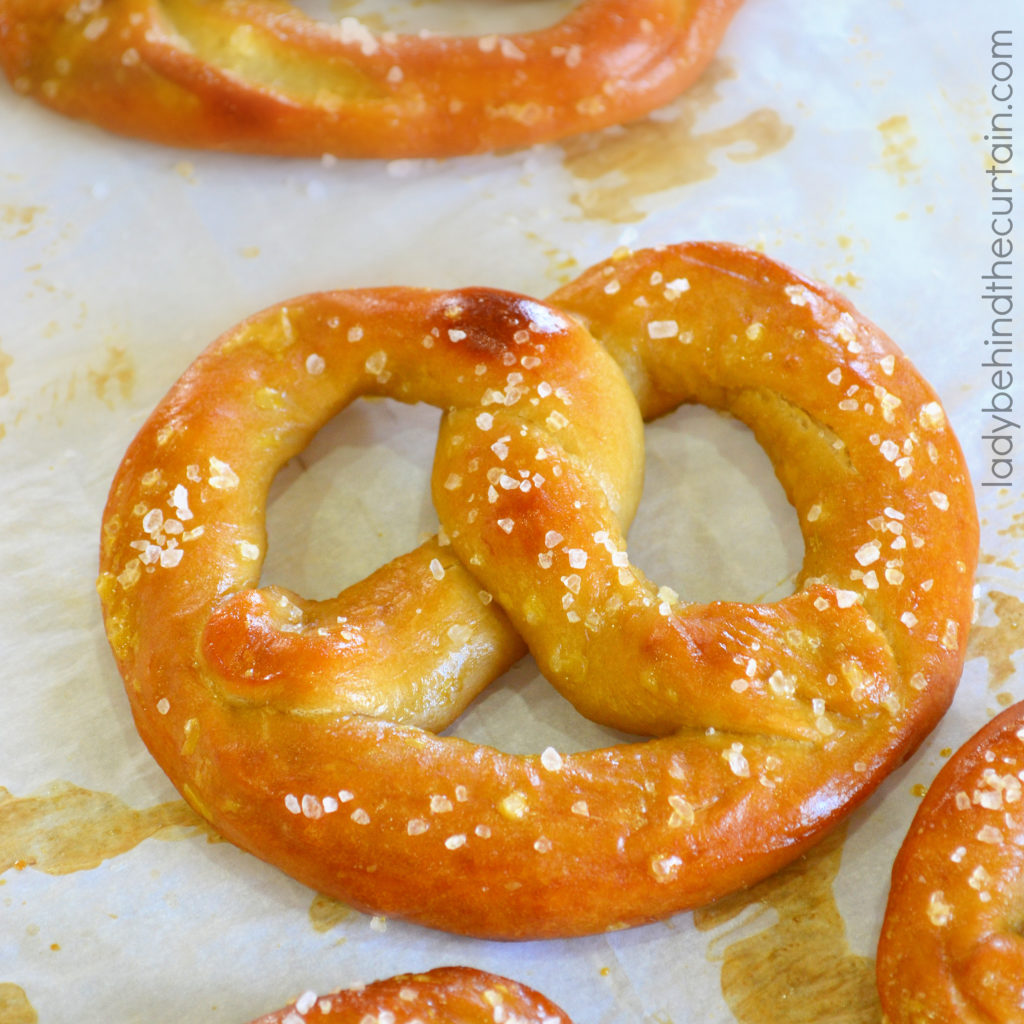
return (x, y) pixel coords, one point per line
(300, 728)
(259, 76)
(952, 944)
(445, 995)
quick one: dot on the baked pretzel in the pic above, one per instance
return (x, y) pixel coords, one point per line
(445, 995)
(952, 947)
(298, 728)
(259, 76)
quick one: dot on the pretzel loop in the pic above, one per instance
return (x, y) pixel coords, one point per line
(260, 76)
(282, 374)
(297, 727)
(860, 444)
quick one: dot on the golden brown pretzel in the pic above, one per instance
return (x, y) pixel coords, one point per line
(952, 943)
(774, 720)
(259, 76)
(445, 995)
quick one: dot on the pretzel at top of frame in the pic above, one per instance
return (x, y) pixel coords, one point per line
(260, 76)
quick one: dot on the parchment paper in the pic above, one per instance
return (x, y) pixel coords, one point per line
(846, 139)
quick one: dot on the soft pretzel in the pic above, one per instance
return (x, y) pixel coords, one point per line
(444, 995)
(952, 947)
(297, 728)
(259, 76)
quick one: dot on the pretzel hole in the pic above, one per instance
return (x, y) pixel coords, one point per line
(714, 523)
(449, 17)
(254, 55)
(358, 496)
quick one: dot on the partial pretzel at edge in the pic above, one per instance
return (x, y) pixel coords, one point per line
(259, 76)
(952, 944)
(444, 995)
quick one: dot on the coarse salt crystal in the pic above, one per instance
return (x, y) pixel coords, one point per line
(222, 476)
(868, 553)
(551, 759)
(577, 558)
(658, 329)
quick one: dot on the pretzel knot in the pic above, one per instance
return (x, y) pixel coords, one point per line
(260, 76)
(951, 949)
(444, 995)
(301, 728)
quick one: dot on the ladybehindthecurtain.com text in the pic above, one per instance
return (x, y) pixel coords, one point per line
(1002, 424)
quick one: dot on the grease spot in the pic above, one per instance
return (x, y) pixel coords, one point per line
(1004, 562)
(186, 170)
(325, 912)
(997, 644)
(664, 151)
(899, 143)
(18, 221)
(116, 374)
(14, 1005)
(562, 266)
(64, 828)
(5, 361)
(1016, 527)
(799, 969)
(847, 280)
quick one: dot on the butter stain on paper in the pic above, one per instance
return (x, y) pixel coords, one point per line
(898, 150)
(111, 382)
(64, 828)
(117, 371)
(800, 969)
(5, 384)
(5, 387)
(997, 644)
(661, 152)
(325, 912)
(14, 1005)
(18, 221)
(1016, 527)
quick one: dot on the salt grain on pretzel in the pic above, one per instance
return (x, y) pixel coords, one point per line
(445, 995)
(260, 76)
(952, 947)
(296, 727)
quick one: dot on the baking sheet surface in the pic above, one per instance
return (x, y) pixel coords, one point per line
(847, 140)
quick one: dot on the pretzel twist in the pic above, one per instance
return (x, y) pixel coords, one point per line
(952, 942)
(259, 76)
(297, 727)
(445, 995)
